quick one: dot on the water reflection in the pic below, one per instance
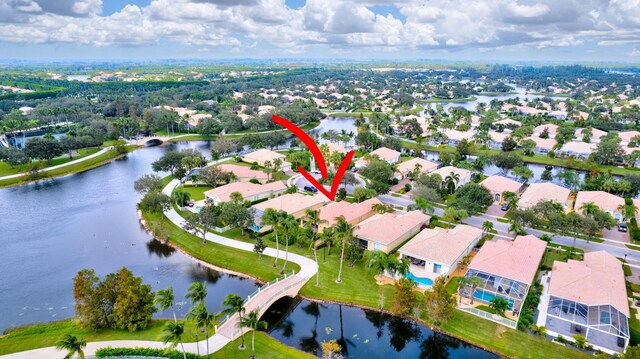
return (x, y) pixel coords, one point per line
(160, 249)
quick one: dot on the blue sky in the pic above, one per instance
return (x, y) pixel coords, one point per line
(485, 30)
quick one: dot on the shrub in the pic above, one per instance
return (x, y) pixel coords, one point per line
(407, 187)
(253, 180)
(149, 352)
(551, 154)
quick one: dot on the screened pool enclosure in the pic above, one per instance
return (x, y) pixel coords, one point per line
(495, 286)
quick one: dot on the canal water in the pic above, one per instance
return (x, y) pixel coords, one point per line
(52, 229)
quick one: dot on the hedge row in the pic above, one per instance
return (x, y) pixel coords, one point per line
(148, 352)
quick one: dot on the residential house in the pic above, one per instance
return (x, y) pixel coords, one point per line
(499, 185)
(249, 191)
(626, 136)
(496, 139)
(508, 121)
(577, 149)
(385, 232)
(543, 145)
(596, 134)
(544, 191)
(353, 213)
(437, 252)
(454, 136)
(464, 175)
(507, 270)
(244, 173)
(606, 201)
(383, 153)
(295, 204)
(551, 129)
(407, 167)
(262, 156)
(588, 298)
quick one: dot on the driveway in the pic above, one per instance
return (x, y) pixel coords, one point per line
(300, 182)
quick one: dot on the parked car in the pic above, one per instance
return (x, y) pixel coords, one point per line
(505, 207)
(622, 227)
(310, 189)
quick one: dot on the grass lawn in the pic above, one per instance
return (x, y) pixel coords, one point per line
(74, 168)
(7, 170)
(509, 342)
(45, 335)
(497, 93)
(266, 348)
(197, 192)
(551, 255)
(437, 99)
(216, 254)
(488, 309)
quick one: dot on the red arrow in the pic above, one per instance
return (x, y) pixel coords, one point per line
(315, 151)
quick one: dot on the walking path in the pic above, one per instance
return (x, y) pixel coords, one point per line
(104, 150)
(227, 330)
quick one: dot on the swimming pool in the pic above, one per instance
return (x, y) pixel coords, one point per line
(424, 281)
(486, 297)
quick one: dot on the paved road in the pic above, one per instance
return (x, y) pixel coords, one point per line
(61, 165)
(616, 248)
(300, 182)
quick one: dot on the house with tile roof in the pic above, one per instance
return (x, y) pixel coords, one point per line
(499, 185)
(544, 191)
(604, 200)
(551, 129)
(437, 252)
(249, 191)
(263, 155)
(244, 173)
(383, 153)
(507, 269)
(293, 203)
(353, 213)
(543, 145)
(407, 167)
(464, 175)
(385, 232)
(589, 298)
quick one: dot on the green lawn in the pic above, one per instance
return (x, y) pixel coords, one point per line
(438, 100)
(7, 170)
(74, 168)
(45, 335)
(196, 193)
(266, 348)
(509, 342)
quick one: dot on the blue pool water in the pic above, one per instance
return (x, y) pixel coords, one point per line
(424, 281)
(486, 297)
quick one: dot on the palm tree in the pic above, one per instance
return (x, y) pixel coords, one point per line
(499, 305)
(267, 166)
(451, 181)
(379, 207)
(343, 231)
(401, 266)
(474, 282)
(312, 219)
(173, 334)
(235, 304)
(487, 226)
(73, 345)
(378, 262)
(203, 318)
(453, 215)
(290, 226)
(424, 205)
(164, 300)
(515, 228)
(197, 292)
(252, 321)
(590, 207)
(271, 217)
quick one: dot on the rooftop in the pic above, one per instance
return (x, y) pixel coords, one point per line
(442, 245)
(350, 211)
(497, 183)
(246, 189)
(388, 227)
(543, 191)
(602, 199)
(243, 171)
(292, 203)
(425, 166)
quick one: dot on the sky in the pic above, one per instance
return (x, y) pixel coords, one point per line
(466, 30)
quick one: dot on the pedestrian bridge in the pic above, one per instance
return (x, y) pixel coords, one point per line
(143, 141)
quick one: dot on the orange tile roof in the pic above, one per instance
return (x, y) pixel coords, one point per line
(537, 192)
(501, 184)
(388, 227)
(350, 211)
(246, 189)
(243, 171)
(442, 245)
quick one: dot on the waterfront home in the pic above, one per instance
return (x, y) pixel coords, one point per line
(244, 173)
(576, 149)
(293, 203)
(508, 122)
(606, 201)
(588, 298)
(544, 191)
(407, 167)
(385, 232)
(454, 136)
(262, 156)
(353, 213)
(596, 135)
(499, 185)
(437, 252)
(249, 191)
(496, 139)
(333, 147)
(543, 145)
(464, 176)
(383, 153)
(506, 269)
(551, 129)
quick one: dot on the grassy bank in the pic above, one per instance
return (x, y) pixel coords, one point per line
(46, 335)
(266, 348)
(439, 100)
(7, 170)
(74, 168)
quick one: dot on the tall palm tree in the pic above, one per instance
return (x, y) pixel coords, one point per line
(515, 228)
(474, 282)
(197, 292)
(379, 207)
(312, 219)
(271, 217)
(235, 304)
(203, 319)
(378, 262)
(344, 232)
(164, 300)
(290, 226)
(590, 207)
(487, 226)
(451, 181)
(252, 321)
(73, 345)
(173, 334)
